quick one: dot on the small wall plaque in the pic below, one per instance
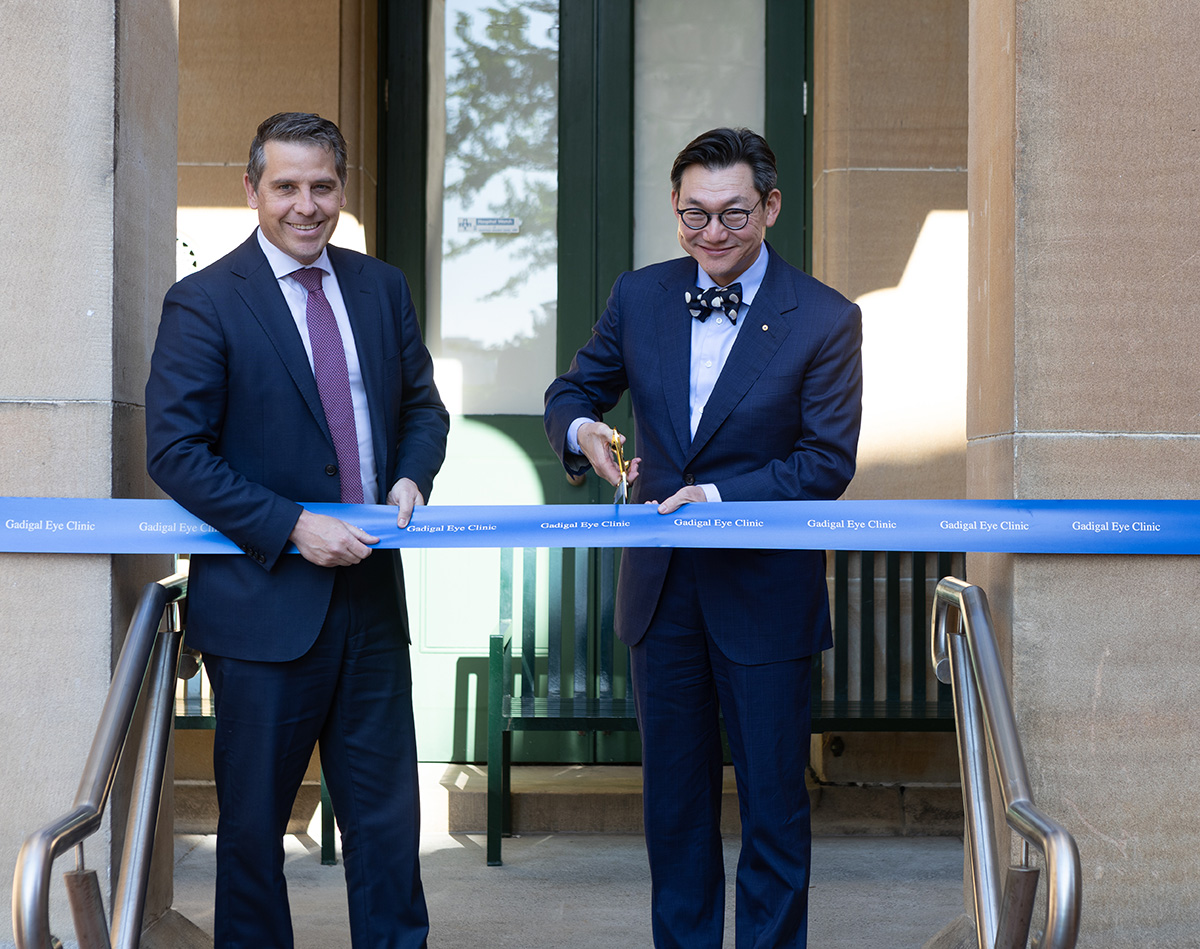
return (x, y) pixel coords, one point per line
(489, 225)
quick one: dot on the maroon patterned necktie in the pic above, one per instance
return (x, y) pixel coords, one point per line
(333, 382)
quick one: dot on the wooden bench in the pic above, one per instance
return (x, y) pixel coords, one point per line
(553, 665)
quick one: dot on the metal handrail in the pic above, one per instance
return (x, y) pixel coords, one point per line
(147, 664)
(970, 661)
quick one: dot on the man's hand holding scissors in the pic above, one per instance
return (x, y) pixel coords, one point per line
(596, 443)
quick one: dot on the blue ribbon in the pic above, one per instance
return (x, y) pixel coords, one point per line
(114, 526)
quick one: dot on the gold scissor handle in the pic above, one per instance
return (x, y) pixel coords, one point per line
(622, 492)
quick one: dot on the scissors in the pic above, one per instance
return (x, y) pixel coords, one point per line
(622, 492)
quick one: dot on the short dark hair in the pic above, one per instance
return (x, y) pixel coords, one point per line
(723, 147)
(304, 127)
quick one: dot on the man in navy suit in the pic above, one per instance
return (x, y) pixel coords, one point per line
(745, 380)
(290, 372)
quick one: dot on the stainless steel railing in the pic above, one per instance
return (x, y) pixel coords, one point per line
(147, 664)
(969, 659)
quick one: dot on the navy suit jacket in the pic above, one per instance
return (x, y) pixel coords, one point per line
(781, 424)
(236, 434)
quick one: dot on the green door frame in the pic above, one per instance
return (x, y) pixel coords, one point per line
(595, 198)
(789, 121)
(403, 123)
(595, 202)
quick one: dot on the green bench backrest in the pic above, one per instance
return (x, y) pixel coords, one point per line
(881, 604)
(581, 658)
(866, 629)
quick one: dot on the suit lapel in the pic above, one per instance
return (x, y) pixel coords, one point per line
(758, 340)
(675, 338)
(260, 290)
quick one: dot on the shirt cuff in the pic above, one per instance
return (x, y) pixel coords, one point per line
(710, 492)
(573, 435)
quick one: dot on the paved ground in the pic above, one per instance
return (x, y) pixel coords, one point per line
(577, 891)
(591, 891)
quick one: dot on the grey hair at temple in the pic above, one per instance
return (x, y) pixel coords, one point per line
(297, 127)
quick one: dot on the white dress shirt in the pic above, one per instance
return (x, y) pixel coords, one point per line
(712, 341)
(282, 265)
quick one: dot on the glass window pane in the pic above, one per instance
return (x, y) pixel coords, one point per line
(493, 268)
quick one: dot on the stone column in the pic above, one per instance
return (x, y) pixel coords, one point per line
(889, 231)
(1084, 288)
(89, 102)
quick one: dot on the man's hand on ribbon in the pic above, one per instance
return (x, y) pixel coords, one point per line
(691, 494)
(330, 542)
(405, 495)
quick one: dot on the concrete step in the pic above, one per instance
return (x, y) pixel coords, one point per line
(196, 808)
(608, 799)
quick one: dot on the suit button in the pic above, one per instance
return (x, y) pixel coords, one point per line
(689, 479)
(331, 470)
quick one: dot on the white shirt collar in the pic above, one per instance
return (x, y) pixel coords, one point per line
(283, 264)
(751, 280)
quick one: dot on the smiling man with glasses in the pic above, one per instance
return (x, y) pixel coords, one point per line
(746, 384)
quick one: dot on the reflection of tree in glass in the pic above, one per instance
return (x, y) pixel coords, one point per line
(502, 122)
(496, 378)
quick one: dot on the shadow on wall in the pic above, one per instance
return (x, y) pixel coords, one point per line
(470, 733)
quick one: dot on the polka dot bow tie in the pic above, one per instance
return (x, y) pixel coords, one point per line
(702, 303)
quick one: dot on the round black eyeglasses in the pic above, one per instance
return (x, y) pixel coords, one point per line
(732, 218)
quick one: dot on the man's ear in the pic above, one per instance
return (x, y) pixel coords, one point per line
(251, 197)
(774, 205)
